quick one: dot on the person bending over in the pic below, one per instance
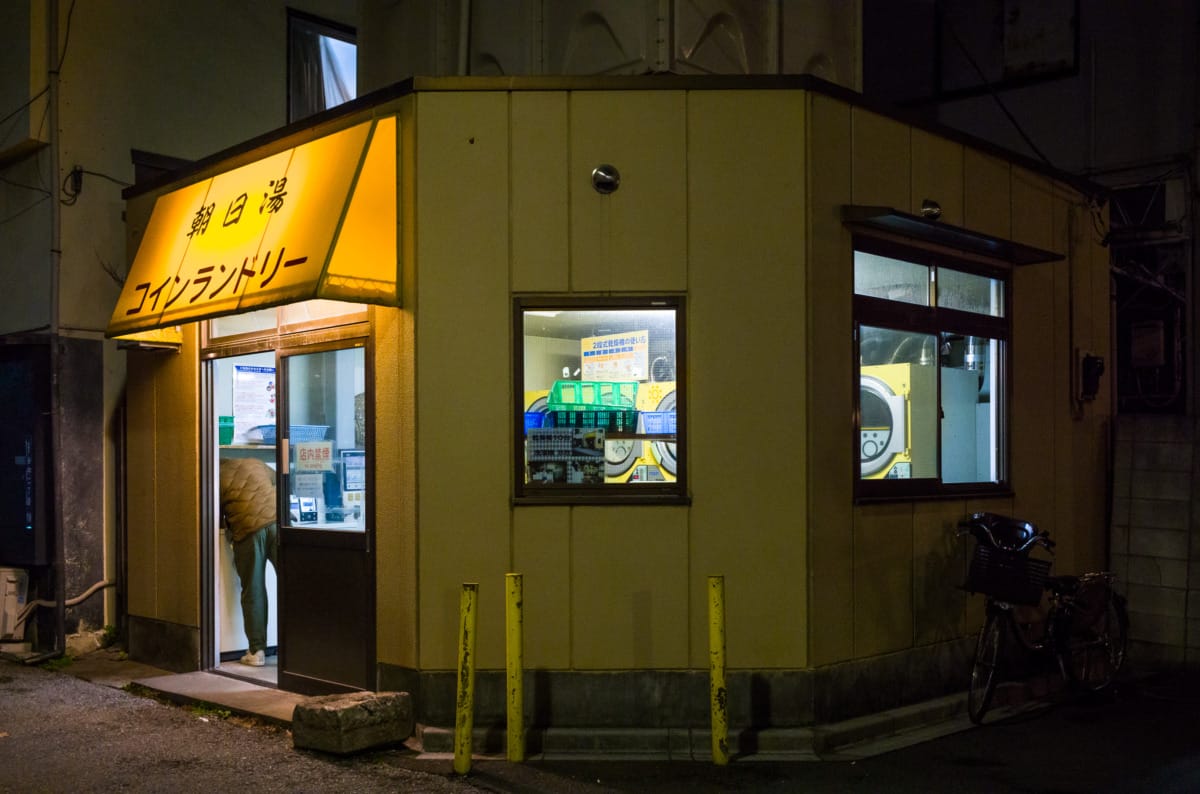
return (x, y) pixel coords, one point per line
(247, 492)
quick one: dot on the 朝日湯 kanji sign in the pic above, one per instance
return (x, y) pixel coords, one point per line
(269, 232)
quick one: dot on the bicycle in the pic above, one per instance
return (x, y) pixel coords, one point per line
(1084, 626)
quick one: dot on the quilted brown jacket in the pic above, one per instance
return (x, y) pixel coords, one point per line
(247, 496)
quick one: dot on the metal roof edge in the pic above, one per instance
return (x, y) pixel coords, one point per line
(644, 82)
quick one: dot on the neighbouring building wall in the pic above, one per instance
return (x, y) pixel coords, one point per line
(610, 37)
(1155, 537)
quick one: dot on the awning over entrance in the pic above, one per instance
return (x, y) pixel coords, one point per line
(314, 221)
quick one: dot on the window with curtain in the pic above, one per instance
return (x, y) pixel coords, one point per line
(322, 66)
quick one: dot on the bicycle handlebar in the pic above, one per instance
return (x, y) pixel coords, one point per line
(980, 525)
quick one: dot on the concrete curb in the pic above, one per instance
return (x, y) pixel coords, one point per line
(860, 737)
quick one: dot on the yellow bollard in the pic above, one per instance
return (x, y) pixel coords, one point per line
(464, 718)
(515, 656)
(716, 663)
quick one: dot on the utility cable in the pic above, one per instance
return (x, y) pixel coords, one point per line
(992, 91)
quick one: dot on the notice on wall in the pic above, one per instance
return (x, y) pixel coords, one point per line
(616, 356)
(253, 402)
(313, 456)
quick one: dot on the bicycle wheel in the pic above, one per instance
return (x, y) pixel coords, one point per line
(1097, 641)
(985, 669)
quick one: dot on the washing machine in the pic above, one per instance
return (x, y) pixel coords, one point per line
(632, 460)
(883, 401)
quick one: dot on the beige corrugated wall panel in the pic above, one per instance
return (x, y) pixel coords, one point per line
(1101, 411)
(394, 495)
(748, 403)
(635, 238)
(396, 581)
(883, 578)
(938, 600)
(179, 501)
(629, 588)
(1070, 275)
(539, 191)
(142, 541)
(986, 204)
(542, 555)
(937, 174)
(1092, 437)
(463, 447)
(1032, 407)
(1032, 213)
(164, 504)
(1032, 200)
(881, 165)
(828, 361)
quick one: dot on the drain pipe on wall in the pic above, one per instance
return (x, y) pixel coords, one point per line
(76, 601)
(60, 554)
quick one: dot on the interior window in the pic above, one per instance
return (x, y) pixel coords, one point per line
(322, 66)
(601, 400)
(932, 338)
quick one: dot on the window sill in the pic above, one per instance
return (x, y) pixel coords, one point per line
(969, 491)
(609, 499)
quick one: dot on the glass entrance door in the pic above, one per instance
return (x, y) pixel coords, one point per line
(326, 579)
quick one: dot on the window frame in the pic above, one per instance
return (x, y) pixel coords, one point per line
(298, 21)
(934, 320)
(647, 493)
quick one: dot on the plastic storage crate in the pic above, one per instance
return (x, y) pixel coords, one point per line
(592, 395)
(295, 433)
(1007, 575)
(224, 430)
(612, 420)
(658, 422)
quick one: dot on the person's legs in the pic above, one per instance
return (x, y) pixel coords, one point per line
(272, 532)
(250, 559)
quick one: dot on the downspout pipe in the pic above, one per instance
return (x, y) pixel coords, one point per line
(56, 450)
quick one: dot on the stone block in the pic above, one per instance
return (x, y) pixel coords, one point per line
(1119, 535)
(1161, 457)
(350, 723)
(1157, 571)
(1157, 629)
(1162, 427)
(1147, 542)
(1164, 601)
(1159, 513)
(1175, 485)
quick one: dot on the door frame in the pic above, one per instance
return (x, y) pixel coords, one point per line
(307, 338)
(333, 540)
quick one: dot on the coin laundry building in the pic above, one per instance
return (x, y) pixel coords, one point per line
(616, 335)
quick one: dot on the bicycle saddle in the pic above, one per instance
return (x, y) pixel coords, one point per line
(1008, 531)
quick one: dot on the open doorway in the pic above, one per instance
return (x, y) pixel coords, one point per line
(244, 406)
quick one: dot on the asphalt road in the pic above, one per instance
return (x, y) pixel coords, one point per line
(60, 733)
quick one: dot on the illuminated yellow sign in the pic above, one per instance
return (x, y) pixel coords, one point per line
(314, 221)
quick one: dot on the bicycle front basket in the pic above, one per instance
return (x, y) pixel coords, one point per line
(1006, 575)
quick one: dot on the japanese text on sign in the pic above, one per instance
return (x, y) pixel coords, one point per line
(622, 356)
(313, 455)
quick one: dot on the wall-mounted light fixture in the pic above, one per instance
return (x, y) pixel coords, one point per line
(606, 179)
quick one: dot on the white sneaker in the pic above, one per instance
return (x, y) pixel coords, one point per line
(256, 659)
